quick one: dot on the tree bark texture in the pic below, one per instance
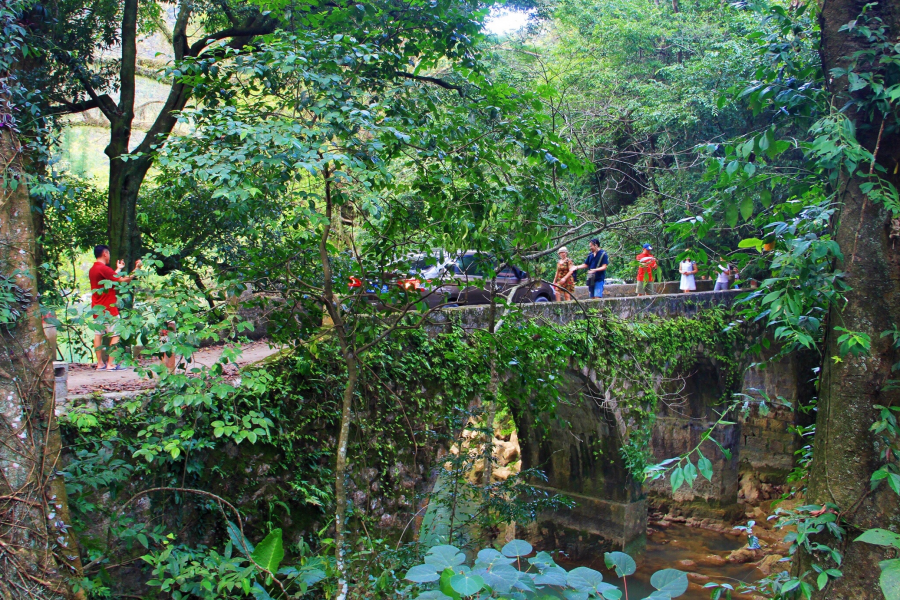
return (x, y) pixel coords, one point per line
(845, 451)
(37, 550)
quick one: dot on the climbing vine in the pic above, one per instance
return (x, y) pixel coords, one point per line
(415, 389)
(632, 364)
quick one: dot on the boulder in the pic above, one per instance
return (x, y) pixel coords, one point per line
(500, 473)
(713, 560)
(744, 555)
(771, 564)
(506, 452)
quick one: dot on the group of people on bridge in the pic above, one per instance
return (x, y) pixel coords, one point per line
(597, 262)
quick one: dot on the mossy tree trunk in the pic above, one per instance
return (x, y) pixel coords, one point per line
(846, 452)
(37, 550)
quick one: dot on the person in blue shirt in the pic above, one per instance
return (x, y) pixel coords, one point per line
(596, 263)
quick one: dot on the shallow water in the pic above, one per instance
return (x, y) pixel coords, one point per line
(678, 543)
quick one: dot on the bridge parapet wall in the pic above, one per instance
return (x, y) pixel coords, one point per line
(559, 313)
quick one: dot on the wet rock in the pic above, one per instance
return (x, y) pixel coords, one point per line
(770, 564)
(698, 577)
(744, 555)
(713, 560)
(687, 563)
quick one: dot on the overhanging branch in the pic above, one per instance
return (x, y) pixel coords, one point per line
(70, 108)
(434, 80)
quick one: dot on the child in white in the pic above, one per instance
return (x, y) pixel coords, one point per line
(687, 268)
(724, 278)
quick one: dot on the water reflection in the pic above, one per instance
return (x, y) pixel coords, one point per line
(699, 552)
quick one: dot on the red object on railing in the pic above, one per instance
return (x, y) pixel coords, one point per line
(355, 282)
(410, 284)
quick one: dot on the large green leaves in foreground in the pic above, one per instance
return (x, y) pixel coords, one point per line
(512, 573)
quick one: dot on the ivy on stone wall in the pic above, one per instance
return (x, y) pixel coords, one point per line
(632, 363)
(415, 394)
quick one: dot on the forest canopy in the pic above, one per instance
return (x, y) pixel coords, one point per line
(340, 179)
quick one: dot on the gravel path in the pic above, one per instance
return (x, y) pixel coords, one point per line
(84, 379)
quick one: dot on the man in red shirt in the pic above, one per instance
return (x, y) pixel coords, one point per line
(106, 297)
(646, 264)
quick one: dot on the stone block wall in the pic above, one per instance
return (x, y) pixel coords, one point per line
(578, 451)
(559, 313)
(767, 444)
(680, 423)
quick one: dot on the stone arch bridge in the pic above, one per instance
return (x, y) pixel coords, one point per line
(580, 454)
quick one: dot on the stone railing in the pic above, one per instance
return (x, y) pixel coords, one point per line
(623, 307)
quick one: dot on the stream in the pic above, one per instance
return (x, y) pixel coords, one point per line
(668, 549)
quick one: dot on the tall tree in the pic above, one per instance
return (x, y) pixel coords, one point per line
(98, 27)
(38, 554)
(846, 452)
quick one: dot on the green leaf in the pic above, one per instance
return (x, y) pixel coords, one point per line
(490, 558)
(270, 552)
(822, 580)
(676, 478)
(623, 563)
(446, 588)
(583, 578)
(444, 557)
(554, 576)
(705, 467)
(731, 214)
(880, 537)
(260, 593)
(751, 243)
(732, 167)
(690, 474)
(516, 548)
(466, 584)
(500, 578)
(422, 574)
(747, 208)
(890, 579)
(242, 544)
(670, 581)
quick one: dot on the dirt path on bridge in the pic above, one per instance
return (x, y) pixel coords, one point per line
(84, 379)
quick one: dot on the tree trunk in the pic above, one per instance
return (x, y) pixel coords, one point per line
(845, 451)
(125, 179)
(37, 550)
(340, 476)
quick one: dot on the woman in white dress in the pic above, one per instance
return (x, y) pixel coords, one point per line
(688, 269)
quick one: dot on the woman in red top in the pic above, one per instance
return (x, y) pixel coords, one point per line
(106, 297)
(646, 264)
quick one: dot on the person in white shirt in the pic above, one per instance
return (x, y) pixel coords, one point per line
(688, 269)
(724, 277)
